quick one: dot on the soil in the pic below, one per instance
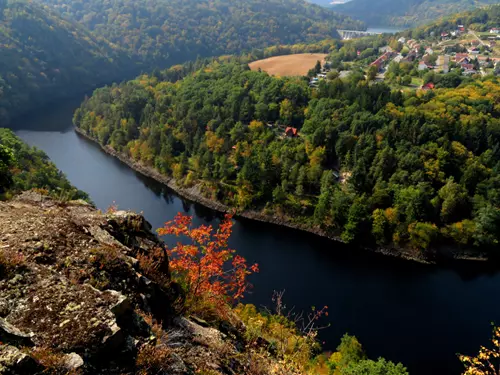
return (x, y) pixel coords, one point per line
(289, 65)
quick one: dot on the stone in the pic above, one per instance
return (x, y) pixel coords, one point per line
(122, 307)
(73, 361)
(11, 335)
(14, 361)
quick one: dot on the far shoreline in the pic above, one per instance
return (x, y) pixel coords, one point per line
(193, 194)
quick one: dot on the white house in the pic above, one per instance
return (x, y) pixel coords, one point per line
(495, 30)
(422, 65)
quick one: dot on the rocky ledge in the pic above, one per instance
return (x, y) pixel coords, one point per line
(74, 298)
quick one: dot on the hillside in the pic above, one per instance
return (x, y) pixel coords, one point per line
(410, 172)
(44, 57)
(167, 32)
(23, 168)
(405, 13)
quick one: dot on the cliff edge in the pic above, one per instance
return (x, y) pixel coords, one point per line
(74, 298)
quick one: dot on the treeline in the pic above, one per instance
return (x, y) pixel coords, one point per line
(169, 32)
(416, 170)
(23, 168)
(44, 57)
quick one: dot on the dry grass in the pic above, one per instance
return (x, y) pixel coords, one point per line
(289, 65)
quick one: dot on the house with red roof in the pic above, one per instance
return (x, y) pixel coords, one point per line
(428, 86)
(291, 132)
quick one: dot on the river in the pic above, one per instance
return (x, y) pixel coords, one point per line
(404, 311)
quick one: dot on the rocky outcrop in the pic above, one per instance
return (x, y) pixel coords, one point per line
(74, 298)
(70, 282)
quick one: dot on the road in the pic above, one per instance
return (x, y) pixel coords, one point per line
(479, 39)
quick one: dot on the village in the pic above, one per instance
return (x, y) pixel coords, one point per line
(465, 50)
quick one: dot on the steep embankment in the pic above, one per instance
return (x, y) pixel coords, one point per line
(45, 57)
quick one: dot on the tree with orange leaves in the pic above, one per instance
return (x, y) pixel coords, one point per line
(487, 362)
(209, 269)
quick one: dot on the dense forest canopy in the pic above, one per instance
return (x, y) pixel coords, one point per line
(416, 170)
(53, 48)
(44, 57)
(165, 32)
(23, 168)
(405, 13)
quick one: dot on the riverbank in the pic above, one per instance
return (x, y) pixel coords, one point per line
(194, 194)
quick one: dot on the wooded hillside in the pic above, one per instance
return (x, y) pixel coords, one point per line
(416, 170)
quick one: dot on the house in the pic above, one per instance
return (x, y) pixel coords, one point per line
(402, 40)
(469, 72)
(429, 51)
(443, 64)
(453, 33)
(445, 35)
(474, 50)
(460, 56)
(464, 60)
(428, 86)
(461, 28)
(495, 30)
(381, 60)
(475, 42)
(291, 132)
(422, 65)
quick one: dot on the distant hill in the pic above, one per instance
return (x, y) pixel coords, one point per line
(44, 57)
(482, 19)
(164, 32)
(406, 13)
(54, 48)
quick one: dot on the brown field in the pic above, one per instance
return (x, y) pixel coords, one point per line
(289, 65)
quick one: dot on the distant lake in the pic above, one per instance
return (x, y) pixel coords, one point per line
(384, 29)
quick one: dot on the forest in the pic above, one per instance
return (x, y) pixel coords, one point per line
(376, 167)
(164, 33)
(53, 49)
(44, 57)
(24, 168)
(406, 13)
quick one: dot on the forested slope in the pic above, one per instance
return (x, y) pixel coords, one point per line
(23, 168)
(406, 13)
(416, 170)
(166, 32)
(43, 57)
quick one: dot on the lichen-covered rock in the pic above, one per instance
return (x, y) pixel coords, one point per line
(13, 361)
(74, 298)
(72, 283)
(12, 335)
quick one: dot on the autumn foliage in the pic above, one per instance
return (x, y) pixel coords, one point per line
(208, 268)
(487, 362)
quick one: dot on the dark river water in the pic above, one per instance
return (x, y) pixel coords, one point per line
(419, 315)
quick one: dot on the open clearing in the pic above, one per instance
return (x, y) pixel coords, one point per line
(289, 65)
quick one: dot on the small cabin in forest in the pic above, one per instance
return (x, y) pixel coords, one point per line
(291, 132)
